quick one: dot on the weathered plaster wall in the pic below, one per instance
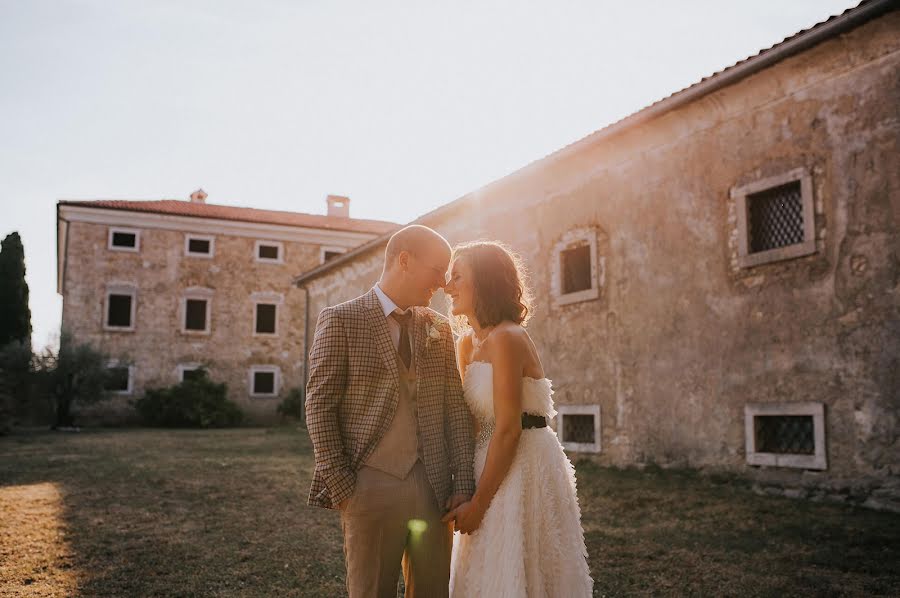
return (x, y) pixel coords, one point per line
(680, 338)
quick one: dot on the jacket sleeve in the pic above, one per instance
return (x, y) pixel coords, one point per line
(324, 392)
(458, 426)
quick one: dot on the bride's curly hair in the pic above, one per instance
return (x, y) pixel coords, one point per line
(500, 281)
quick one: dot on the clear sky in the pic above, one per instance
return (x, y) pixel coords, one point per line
(403, 106)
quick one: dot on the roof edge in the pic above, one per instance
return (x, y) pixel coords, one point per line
(799, 42)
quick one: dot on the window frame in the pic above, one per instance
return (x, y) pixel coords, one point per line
(114, 363)
(333, 249)
(817, 461)
(189, 366)
(740, 195)
(118, 229)
(276, 383)
(570, 240)
(196, 294)
(266, 260)
(120, 288)
(579, 447)
(267, 298)
(188, 237)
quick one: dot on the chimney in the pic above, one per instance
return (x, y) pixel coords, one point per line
(338, 205)
(198, 196)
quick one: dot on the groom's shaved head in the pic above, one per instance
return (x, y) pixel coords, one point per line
(415, 239)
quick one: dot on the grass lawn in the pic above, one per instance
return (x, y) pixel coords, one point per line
(223, 513)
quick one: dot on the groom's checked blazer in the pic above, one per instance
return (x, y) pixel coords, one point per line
(353, 390)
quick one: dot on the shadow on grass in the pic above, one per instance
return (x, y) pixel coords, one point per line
(223, 513)
(188, 513)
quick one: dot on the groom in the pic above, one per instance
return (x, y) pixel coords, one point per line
(391, 432)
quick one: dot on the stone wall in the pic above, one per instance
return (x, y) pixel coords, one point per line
(680, 339)
(162, 272)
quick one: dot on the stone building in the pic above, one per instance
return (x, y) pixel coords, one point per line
(717, 276)
(165, 287)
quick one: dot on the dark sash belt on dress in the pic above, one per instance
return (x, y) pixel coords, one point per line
(533, 421)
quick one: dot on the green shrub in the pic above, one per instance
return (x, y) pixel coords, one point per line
(293, 404)
(197, 402)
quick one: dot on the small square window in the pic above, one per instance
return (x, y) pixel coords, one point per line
(199, 245)
(786, 434)
(119, 313)
(264, 380)
(118, 379)
(775, 219)
(270, 252)
(578, 427)
(265, 318)
(263, 383)
(189, 372)
(124, 239)
(195, 314)
(329, 253)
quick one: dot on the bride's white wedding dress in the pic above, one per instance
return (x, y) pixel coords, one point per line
(530, 542)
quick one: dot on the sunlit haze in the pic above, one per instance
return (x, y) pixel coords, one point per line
(403, 106)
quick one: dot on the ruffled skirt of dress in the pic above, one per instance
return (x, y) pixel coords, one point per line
(530, 542)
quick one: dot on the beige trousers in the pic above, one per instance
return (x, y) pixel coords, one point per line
(388, 521)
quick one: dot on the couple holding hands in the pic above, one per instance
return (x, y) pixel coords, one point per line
(416, 433)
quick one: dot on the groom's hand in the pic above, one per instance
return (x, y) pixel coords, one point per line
(454, 501)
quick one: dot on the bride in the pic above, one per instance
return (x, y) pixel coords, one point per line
(520, 534)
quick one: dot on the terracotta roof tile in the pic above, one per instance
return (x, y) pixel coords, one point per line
(177, 207)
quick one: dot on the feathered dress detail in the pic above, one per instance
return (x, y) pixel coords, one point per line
(530, 542)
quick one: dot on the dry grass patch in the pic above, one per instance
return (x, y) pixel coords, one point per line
(223, 513)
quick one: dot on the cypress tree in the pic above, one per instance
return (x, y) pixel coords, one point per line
(15, 316)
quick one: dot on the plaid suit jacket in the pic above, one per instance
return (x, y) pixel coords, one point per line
(353, 390)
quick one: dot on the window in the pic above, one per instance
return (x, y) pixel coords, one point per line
(785, 434)
(196, 310)
(329, 253)
(265, 318)
(190, 371)
(199, 246)
(270, 252)
(119, 378)
(577, 270)
(124, 239)
(775, 219)
(120, 307)
(264, 380)
(265, 313)
(578, 427)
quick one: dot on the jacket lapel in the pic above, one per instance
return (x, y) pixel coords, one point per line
(382, 335)
(419, 323)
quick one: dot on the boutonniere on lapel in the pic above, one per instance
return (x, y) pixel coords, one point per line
(432, 332)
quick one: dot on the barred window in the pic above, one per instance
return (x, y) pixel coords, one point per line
(786, 434)
(776, 217)
(578, 427)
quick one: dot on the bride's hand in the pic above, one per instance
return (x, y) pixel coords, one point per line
(468, 517)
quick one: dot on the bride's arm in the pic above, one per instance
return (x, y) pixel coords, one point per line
(508, 359)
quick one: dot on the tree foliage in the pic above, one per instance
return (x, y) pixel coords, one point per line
(15, 316)
(76, 374)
